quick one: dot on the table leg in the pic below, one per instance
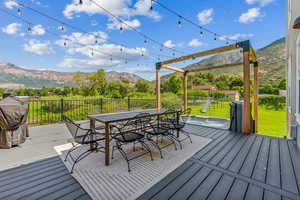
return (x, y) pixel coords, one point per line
(177, 120)
(107, 150)
(92, 126)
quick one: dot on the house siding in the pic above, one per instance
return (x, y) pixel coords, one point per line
(293, 124)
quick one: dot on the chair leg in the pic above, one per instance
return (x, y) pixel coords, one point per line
(122, 152)
(155, 145)
(71, 150)
(112, 152)
(146, 147)
(79, 158)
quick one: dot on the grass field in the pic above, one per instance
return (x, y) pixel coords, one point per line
(271, 122)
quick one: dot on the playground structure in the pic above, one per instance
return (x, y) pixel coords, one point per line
(249, 59)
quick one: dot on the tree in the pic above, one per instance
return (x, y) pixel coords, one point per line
(97, 81)
(173, 84)
(79, 79)
(143, 86)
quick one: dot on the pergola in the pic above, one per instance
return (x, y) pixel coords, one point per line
(249, 59)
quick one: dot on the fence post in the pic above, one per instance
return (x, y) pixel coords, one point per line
(128, 102)
(61, 108)
(101, 105)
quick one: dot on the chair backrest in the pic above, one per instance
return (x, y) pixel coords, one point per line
(72, 126)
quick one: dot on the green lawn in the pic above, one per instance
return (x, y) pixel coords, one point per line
(271, 122)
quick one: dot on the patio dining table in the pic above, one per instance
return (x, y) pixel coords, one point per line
(109, 118)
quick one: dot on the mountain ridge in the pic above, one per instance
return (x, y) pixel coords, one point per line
(15, 76)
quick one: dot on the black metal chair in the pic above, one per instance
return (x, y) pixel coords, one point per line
(82, 136)
(131, 132)
(171, 122)
(157, 128)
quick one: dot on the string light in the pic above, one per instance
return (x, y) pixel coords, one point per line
(92, 52)
(151, 7)
(19, 11)
(80, 2)
(188, 20)
(62, 28)
(90, 33)
(29, 29)
(179, 23)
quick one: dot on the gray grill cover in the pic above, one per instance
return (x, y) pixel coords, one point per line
(13, 127)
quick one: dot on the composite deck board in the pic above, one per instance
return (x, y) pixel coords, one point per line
(166, 181)
(254, 192)
(224, 151)
(188, 188)
(48, 178)
(236, 167)
(273, 177)
(176, 185)
(207, 186)
(224, 143)
(288, 176)
(211, 146)
(227, 160)
(239, 160)
(260, 169)
(250, 161)
(237, 191)
(295, 155)
(222, 188)
(271, 195)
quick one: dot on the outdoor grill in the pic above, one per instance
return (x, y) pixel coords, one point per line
(13, 116)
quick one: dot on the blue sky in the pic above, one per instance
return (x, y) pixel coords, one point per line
(48, 46)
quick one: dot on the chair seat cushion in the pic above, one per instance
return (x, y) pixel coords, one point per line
(130, 137)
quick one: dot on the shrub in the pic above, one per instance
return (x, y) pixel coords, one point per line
(199, 93)
(273, 102)
(171, 101)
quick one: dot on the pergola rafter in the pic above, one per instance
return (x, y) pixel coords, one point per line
(249, 58)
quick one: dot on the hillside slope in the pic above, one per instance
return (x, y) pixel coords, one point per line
(11, 74)
(271, 62)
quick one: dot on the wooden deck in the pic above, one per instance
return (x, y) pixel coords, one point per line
(45, 175)
(45, 179)
(234, 166)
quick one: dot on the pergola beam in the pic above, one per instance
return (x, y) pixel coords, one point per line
(172, 68)
(215, 67)
(201, 54)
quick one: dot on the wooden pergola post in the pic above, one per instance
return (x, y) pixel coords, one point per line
(248, 57)
(185, 96)
(247, 102)
(158, 103)
(256, 92)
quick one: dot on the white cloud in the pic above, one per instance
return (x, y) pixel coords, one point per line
(38, 47)
(205, 16)
(10, 4)
(87, 63)
(116, 25)
(195, 43)
(237, 36)
(12, 29)
(141, 69)
(169, 44)
(83, 38)
(38, 30)
(117, 7)
(261, 2)
(250, 16)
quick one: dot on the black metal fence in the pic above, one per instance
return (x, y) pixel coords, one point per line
(50, 111)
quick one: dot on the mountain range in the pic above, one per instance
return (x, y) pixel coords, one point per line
(271, 60)
(271, 68)
(12, 76)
